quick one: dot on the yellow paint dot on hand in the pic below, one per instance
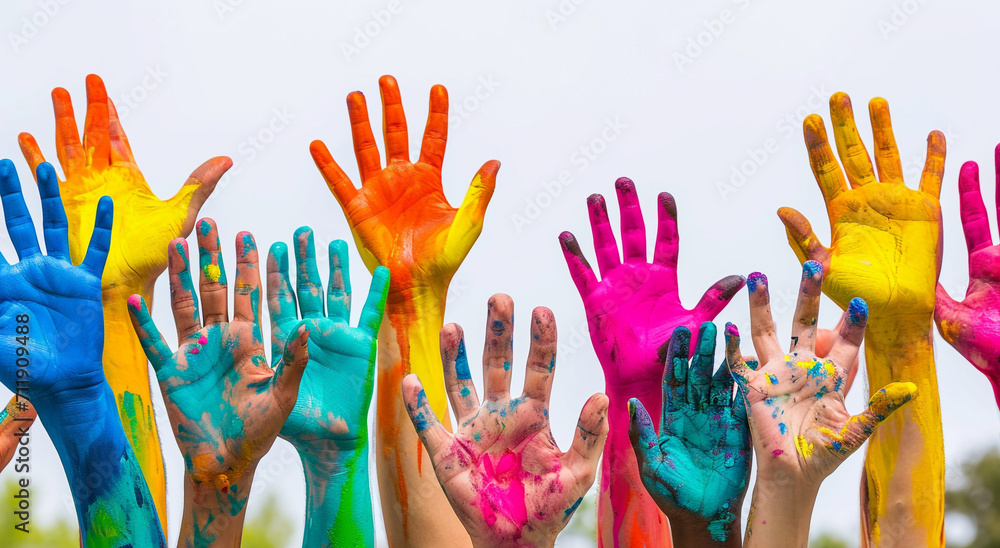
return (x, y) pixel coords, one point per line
(212, 272)
(803, 446)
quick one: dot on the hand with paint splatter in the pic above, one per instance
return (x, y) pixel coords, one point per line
(698, 469)
(15, 420)
(50, 351)
(329, 424)
(885, 249)
(503, 473)
(102, 164)
(632, 312)
(226, 404)
(401, 219)
(972, 326)
(800, 427)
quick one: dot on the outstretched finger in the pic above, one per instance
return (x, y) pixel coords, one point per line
(457, 375)
(288, 374)
(541, 356)
(55, 227)
(588, 443)
(100, 239)
(69, 149)
(365, 149)
(890, 169)
(633, 227)
(338, 181)
(675, 371)
(468, 222)
(20, 228)
(975, 221)
(183, 299)
(31, 151)
(374, 308)
(641, 433)
(579, 268)
(604, 239)
(196, 190)
(498, 347)
(824, 165)
(762, 332)
(847, 345)
(212, 284)
(801, 237)
(699, 380)
(667, 238)
(338, 293)
(930, 179)
(397, 143)
(96, 129)
(717, 297)
(807, 308)
(860, 427)
(121, 151)
(743, 374)
(153, 345)
(850, 147)
(280, 297)
(308, 286)
(246, 300)
(425, 422)
(436, 131)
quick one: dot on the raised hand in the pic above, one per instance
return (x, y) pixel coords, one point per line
(698, 468)
(226, 404)
(50, 352)
(885, 249)
(402, 220)
(800, 427)
(632, 312)
(15, 420)
(102, 164)
(972, 326)
(329, 423)
(502, 472)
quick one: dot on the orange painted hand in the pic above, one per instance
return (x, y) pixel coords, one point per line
(15, 420)
(103, 165)
(886, 237)
(400, 217)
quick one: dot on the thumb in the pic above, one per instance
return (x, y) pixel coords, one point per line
(197, 189)
(801, 237)
(588, 443)
(947, 314)
(860, 427)
(641, 433)
(468, 221)
(288, 373)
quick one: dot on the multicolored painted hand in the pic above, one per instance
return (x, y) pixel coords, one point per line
(401, 219)
(632, 312)
(226, 404)
(886, 249)
(53, 337)
(503, 473)
(800, 427)
(15, 420)
(329, 424)
(102, 164)
(972, 326)
(698, 469)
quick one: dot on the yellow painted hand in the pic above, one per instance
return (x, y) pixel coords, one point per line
(886, 245)
(103, 165)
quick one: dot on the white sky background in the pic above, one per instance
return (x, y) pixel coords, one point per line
(555, 87)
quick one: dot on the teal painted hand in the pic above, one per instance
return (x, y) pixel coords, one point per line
(336, 390)
(226, 404)
(698, 469)
(329, 424)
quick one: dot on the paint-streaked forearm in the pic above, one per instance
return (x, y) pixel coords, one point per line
(903, 488)
(628, 516)
(113, 504)
(338, 496)
(214, 511)
(126, 369)
(414, 507)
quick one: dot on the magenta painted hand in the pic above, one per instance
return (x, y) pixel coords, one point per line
(508, 482)
(973, 325)
(636, 305)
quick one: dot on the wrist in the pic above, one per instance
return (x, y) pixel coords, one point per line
(698, 531)
(338, 495)
(781, 510)
(214, 509)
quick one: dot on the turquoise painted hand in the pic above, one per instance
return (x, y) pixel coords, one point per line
(226, 404)
(698, 469)
(51, 342)
(329, 423)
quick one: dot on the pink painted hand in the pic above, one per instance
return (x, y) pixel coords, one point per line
(972, 326)
(506, 479)
(632, 311)
(799, 424)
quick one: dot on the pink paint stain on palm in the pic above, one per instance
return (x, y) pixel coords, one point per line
(503, 490)
(972, 326)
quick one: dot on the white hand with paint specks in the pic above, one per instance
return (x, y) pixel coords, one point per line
(508, 482)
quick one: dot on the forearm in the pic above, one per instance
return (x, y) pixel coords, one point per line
(113, 504)
(780, 512)
(338, 497)
(214, 511)
(127, 373)
(414, 507)
(903, 489)
(628, 515)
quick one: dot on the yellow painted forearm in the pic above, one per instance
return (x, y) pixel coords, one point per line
(903, 486)
(414, 506)
(127, 373)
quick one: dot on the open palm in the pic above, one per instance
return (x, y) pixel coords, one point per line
(501, 470)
